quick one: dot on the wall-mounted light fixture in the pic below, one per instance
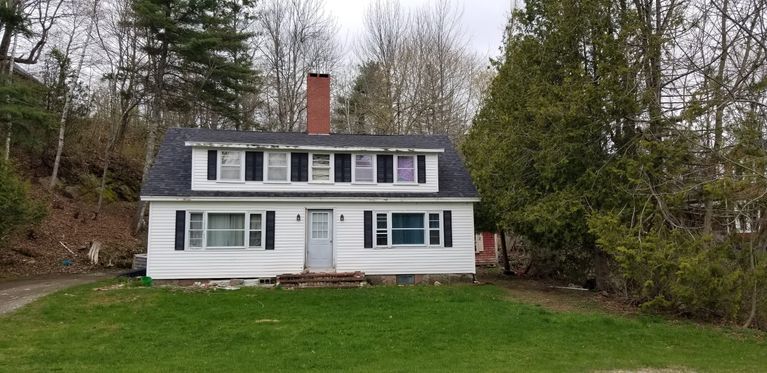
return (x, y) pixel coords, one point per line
(342, 217)
(298, 217)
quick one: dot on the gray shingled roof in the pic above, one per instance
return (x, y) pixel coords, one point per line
(170, 176)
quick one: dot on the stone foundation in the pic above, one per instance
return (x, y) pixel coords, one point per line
(427, 279)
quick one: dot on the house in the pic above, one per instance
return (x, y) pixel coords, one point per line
(243, 204)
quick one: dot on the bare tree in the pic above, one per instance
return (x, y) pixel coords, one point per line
(297, 38)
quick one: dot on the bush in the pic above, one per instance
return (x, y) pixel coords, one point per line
(16, 208)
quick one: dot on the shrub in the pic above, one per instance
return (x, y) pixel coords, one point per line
(17, 209)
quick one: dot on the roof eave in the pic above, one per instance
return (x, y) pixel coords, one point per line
(213, 144)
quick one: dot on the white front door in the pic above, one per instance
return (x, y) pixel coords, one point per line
(319, 241)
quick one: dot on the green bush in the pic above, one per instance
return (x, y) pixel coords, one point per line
(675, 272)
(17, 209)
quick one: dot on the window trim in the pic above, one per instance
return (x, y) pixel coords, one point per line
(331, 169)
(389, 242)
(374, 167)
(246, 230)
(396, 169)
(287, 168)
(220, 162)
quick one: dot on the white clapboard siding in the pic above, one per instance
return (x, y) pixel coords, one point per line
(200, 181)
(163, 262)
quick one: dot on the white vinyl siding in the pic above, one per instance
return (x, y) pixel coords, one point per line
(201, 182)
(289, 242)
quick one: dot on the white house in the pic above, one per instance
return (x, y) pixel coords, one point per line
(237, 204)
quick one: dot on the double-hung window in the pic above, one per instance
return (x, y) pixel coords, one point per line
(225, 230)
(320, 167)
(363, 168)
(277, 166)
(231, 165)
(435, 229)
(407, 229)
(382, 229)
(405, 169)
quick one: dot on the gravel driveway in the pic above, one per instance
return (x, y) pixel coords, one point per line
(17, 293)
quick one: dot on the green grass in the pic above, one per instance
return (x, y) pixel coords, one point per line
(448, 328)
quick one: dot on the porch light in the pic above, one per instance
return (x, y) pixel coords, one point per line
(342, 217)
(298, 217)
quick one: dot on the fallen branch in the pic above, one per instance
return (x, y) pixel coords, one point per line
(68, 249)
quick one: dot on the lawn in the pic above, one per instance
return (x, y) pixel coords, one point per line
(447, 328)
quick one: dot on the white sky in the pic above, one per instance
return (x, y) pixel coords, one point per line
(482, 21)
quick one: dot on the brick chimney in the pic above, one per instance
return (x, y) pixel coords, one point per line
(318, 104)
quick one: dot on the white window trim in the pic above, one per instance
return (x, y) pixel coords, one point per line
(375, 169)
(396, 169)
(288, 161)
(331, 172)
(246, 230)
(219, 163)
(389, 241)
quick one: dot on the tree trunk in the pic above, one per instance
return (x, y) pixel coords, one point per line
(9, 125)
(505, 255)
(68, 100)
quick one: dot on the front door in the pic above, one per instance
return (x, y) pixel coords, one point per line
(319, 242)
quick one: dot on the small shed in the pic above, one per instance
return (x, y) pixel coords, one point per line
(486, 246)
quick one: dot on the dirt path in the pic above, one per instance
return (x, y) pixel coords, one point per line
(17, 293)
(560, 300)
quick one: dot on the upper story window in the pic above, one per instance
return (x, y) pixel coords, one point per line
(277, 166)
(363, 168)
(320, 167)
(405, 169)
(231, 165)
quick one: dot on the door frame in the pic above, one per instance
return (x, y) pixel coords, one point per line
(332, 236)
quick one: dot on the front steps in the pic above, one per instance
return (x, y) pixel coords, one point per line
(322, 280)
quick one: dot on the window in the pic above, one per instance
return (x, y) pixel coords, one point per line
(363, 168)
(195, 230)
(382, 230)
(277, 167)
(320, 167)
(225, 230)
(256, 230)
(320, 227)
(231, 165)
(407, 229)
(405, 168)
(434, 229)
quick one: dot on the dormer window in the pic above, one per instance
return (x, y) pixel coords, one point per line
(277, 166)
(231, 165)
(363, 168)
(405, 169)
(320, 167)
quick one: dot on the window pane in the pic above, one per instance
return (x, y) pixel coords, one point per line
(279, 174)
(230, 158)
(405, 162)
(434, 237)
(433, 220)
(226, 238)
(321, 160)
(407, 220)
(381, 239)
(278, 159)
(255, 221)
(195, 242)
(226, 221)
(195, 221)
(321, 174)
(407, 237)
(363, 160)
(254, 238)
(363, 174)
(230, 173)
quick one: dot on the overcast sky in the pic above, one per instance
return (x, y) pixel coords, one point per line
(482, 21)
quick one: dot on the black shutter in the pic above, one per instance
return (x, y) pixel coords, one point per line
(343, 168)
(180, 229)
(212, 160)
(368, 229)
(421, 169)
(254, 166)
(299, 167)
(270, 230)
(385, 163)
(447, 224)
